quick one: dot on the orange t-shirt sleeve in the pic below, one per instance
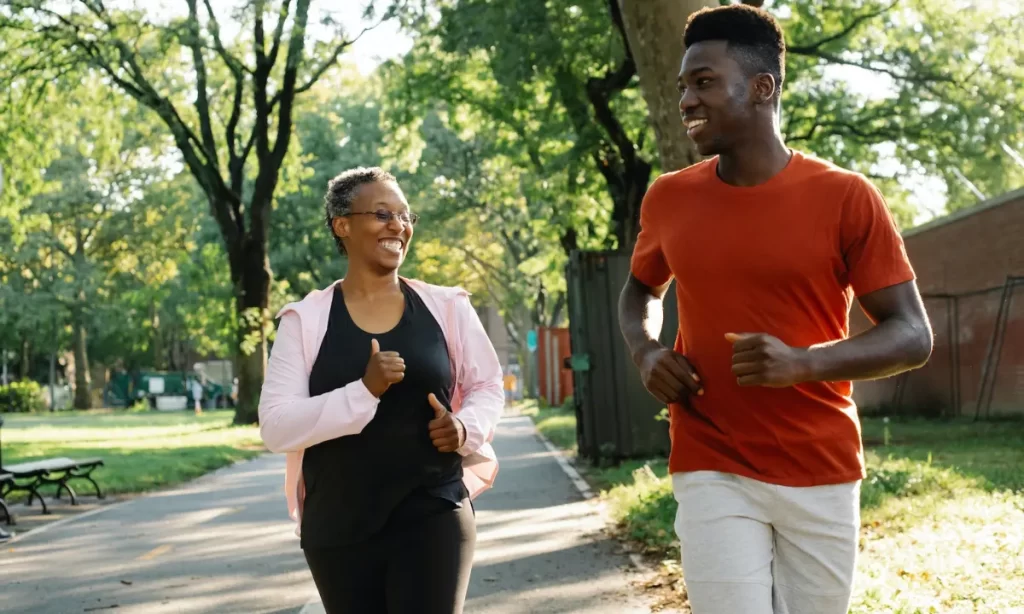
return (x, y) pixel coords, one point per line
(875, 255)
(648, 263)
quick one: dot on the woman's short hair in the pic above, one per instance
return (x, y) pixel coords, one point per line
(342, 189)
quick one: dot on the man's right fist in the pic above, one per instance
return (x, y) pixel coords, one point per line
(383, 369)
(668, 375)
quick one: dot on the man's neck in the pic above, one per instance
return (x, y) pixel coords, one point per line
(362, 283)
(755, 161)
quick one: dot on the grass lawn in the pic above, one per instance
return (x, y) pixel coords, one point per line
(141, 450)
(942, 514)
(556, 423)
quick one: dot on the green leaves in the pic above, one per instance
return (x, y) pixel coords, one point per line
(939, 85)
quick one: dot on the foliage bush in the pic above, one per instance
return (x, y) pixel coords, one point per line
(22, 397)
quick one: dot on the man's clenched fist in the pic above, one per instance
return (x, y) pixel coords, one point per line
(759, 359)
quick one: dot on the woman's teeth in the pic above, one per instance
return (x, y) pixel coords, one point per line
(392, 245)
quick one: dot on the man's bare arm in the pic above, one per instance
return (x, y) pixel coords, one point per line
(666, 375)
(641, 315)
(900, 340)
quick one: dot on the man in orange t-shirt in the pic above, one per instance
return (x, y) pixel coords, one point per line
(768, 247)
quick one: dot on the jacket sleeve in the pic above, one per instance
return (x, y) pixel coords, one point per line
(291, 420)
(480, 383)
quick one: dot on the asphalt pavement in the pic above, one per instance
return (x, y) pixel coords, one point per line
(223, 543)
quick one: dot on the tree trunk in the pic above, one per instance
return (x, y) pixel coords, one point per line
(25, 366)
(83, 394)
(654, 29)
(252, 301)
(627, 196)
(157, 339)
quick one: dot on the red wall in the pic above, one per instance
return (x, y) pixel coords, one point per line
(554, 380)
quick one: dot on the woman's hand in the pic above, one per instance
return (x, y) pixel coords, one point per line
(446, 431)
(382, 370)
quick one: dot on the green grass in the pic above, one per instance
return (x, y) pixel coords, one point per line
(556, 423)
(942, 515)
(141, 451)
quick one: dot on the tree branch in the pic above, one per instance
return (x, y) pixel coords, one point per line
(912, 78)
(282, 17)
(331, 60)
(846, 128)
(599, 92)
(139, 88)
(288, 90)
(259, 36)
(261, 79)
(812, 48)
(815, 49)
(270, 161)
(202, 103)
(232, 62)
(236, 160)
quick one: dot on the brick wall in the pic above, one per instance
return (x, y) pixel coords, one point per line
(969, 255)
(971, 250)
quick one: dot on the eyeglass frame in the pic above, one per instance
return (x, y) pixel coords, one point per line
(380, 213)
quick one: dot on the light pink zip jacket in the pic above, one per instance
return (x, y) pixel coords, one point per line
(291, 420)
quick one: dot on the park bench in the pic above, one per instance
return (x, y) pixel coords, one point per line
(4, 479)
(31, 476)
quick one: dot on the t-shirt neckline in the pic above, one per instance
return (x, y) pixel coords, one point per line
(779, 178)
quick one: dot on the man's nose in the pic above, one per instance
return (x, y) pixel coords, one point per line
(688, 101)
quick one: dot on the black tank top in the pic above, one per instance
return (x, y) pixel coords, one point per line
(391, 471)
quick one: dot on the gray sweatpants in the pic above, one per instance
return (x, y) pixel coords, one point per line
(749, 547)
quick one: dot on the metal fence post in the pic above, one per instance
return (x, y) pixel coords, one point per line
(995, 346)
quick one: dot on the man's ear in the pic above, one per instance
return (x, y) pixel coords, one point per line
(764, 88)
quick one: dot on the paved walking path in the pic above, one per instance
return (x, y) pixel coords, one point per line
(223, 544)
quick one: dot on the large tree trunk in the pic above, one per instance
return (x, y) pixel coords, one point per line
(252, 301)
(654, 29)
(83, 394)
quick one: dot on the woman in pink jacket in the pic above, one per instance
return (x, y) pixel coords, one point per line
(384, 392)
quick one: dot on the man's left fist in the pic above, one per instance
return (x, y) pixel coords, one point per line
(759, 359)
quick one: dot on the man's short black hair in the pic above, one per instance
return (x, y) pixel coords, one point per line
(751, 33)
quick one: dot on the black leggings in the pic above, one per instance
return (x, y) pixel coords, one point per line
(421, 567)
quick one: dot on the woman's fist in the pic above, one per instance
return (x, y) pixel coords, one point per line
(382, 370)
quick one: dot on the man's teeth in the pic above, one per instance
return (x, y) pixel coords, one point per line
(696, 122)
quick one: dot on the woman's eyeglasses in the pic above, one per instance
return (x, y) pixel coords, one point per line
(384, 216)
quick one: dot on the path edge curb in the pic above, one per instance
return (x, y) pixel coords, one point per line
(582, 486)
(577, 480)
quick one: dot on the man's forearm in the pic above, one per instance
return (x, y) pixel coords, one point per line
(893, 346)
(641, 314)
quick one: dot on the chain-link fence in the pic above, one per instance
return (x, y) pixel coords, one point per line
(977, 366)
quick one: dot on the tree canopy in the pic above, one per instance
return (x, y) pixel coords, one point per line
(164, 171)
